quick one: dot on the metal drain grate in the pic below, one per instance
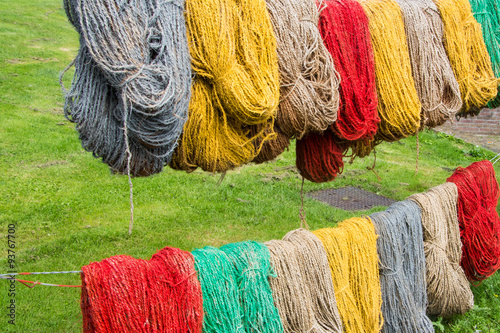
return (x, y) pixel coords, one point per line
(350, 198)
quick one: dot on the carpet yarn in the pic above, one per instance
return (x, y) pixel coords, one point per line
(132, 81)
(316, 271)
(448, 291)
(435, 81)
(468, 55)
(252, 267)
(309, 82)
(236, 83)
(487, 15)
(271, 148)
(123, 294)
(318, 157)
(223, 312)
(351, 248)
(344, 28)
(479, 222)
(401, 256)
(398, 104)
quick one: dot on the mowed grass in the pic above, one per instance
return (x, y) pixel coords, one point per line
(69, 210)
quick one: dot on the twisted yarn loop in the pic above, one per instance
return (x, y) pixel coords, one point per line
(309, 82)
(352, 253)
(435, 82)
(486, 13)
(448, 291)
(123, 294)
(132, 81)
(316, 271)
(478, 194)
(223, 313)
(402, 268)
(233, 55)
(468, 56)
(252, 267)
(398, 103)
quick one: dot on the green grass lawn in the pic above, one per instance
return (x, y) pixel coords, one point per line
(70, 210)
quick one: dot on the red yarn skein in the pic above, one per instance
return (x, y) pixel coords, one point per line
(123, 294)
(319, 157)
(478, 194)
(344, 28)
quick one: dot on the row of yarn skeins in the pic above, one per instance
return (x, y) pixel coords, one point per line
(217, 84)
(384, 272)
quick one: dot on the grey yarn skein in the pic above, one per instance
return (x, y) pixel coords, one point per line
(400, 249)
(133, 69)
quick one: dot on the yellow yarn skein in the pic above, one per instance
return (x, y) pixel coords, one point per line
(398, 103)
(233, 54)
(352, 253)
(464, 44)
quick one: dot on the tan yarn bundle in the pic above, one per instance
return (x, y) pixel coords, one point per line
(269, 149)
(233, 54)
(352, 253)
(316, 272)
(309, 82)
(464, 44)
(398, 103)
(448, 291)
(435, 82)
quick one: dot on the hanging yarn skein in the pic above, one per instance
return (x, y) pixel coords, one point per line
(352, 253)
(435, 81)
(468, 56)
(402, 268)
(316, 271)
(272, 148)
(478, 194)
(487, 15)
(252, 267)
(398, 103)
(236, 84)
(130, 92)
(223, 312)
(309, 82)
(344, 28)
(448, 291)
(123, 294)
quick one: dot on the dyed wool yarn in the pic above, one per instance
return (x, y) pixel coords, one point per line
(252, 267)
(316, 271)
(291, 291)
(309, 82)
(435, 82)
(271, 148)
(351, 248)
(344, 28)
(448, 291)
(132, 81)
(318, 157)
(487, 15)
(402, 268)
(223, 313)
(468, 56)
(479, 222)
(236, 84)
(123, 294)
(398, 103)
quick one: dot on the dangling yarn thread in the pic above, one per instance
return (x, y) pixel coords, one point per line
(351, 248)
(252, 267)
(479, 222)
(123, 294)
(132, 81)
(448, 291)
(435, 82)
(468, 56)
(316, 271)
(401, 256)
(309, 82)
